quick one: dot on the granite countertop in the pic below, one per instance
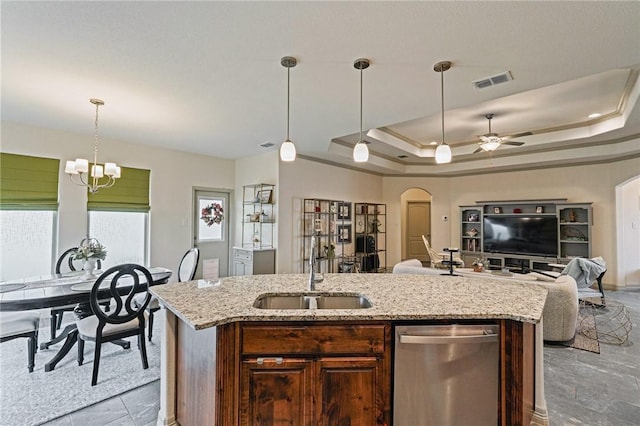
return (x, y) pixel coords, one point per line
(394, 297)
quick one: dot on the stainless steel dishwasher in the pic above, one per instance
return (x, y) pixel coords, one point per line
(446, 375)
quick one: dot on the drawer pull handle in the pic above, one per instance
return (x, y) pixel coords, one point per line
(277, 359)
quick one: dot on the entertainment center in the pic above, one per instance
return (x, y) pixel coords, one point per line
(525, 234)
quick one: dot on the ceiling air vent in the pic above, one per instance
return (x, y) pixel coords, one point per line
(267, 144)
(493, 80)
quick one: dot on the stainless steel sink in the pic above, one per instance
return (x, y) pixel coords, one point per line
(312, 301)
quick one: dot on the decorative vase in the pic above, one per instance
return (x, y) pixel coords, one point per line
(477, 268)
(89, 268)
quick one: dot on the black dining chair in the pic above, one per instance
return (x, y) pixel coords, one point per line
(65, 263)
(14, 325)
(186, 272)
(125, 318)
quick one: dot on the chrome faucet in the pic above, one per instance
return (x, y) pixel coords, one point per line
(312, 262)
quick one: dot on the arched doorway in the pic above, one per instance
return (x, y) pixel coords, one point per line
(628, 230)
(416, 221)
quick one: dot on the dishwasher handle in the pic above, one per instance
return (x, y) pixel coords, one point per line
(447, 340)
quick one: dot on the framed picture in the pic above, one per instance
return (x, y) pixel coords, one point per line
(344, 233)
(539, 209)
(344, 210)
(497, 210)
(264, 196)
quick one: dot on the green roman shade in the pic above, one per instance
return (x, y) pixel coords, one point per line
(130, 193)
(28, 183)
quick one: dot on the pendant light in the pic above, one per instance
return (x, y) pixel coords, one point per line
(360, 150)
(443, 151)
(95, 180)
(288, 149)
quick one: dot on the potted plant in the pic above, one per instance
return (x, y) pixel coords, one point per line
(479, 264)
(330, 251)
(89, 251)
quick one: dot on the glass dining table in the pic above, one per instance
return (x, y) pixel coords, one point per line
(57, 290)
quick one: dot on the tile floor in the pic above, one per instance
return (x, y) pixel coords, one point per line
(582, 388)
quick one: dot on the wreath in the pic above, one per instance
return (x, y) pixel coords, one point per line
(213, 213)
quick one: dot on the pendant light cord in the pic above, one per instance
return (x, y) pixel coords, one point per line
(288, 98)
(442, 100)
(95, 140)
(361, 104)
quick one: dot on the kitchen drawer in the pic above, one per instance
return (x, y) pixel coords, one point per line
(245, 255)
(312, 339)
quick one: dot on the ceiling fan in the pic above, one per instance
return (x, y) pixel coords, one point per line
(491, 141)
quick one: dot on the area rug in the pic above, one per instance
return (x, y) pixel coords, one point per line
(586, 337)
(34, 398)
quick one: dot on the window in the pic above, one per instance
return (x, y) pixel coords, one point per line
(119, 218)
(212, 209)
(28, 209)
(124, 234)
(26, 243)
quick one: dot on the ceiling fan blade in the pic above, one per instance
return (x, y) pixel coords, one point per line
(514, 143)
(478, 150)
(520, 135)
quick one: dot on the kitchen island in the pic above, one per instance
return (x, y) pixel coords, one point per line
(216, 343)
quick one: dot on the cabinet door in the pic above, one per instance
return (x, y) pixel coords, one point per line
(348, 389)
(241, 268)
(273, 393)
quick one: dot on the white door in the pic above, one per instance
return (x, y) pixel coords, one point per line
(211, 233)
(418, 224)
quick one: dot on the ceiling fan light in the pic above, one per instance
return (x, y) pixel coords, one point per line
(443, 154)
(490, 145)
(361, 152)
(287, 151)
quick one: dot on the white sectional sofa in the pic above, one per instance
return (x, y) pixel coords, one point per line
(560, 310)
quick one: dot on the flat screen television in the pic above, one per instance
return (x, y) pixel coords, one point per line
(527, 235)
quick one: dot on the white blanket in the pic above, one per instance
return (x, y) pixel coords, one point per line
(585, 271)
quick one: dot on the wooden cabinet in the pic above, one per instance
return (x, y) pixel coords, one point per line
(318, 373)
(329, 374)
(348, 390)
(276, 390)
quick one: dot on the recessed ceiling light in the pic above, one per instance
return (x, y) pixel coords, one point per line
(594, 115)
(433, 143)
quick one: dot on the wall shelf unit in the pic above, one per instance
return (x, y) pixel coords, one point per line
(257, 253)
(321, 221)
(258, 215)
(570, 223)
(370, 221)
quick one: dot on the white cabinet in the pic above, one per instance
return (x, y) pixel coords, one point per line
(250, 261)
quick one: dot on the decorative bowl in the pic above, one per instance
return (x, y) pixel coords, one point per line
(472, 232)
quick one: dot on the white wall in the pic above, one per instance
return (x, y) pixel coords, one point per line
(173, 176)
(440, 190)
(308, 179)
